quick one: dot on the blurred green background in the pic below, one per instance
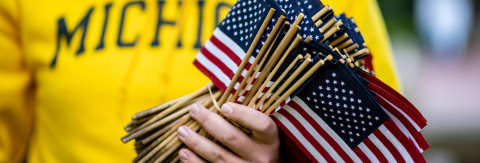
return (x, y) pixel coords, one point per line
(437, 52)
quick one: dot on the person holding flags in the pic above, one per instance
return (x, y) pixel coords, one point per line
(72, 72)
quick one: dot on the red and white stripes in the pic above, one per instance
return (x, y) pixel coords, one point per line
(319, 142)
(219, 60)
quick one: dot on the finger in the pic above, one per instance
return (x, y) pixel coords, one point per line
(204, 147)
(229, 135)
(188, 156)
(263, 127)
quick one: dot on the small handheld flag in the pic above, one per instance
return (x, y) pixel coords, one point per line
(307, 68)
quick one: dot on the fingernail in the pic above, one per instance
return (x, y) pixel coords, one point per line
(194, 109)
(182, 133)
(227, 109)
(183, 156)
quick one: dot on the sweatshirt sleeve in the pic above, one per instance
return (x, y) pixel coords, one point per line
(378, 41)
(369, 19)
(15, 88)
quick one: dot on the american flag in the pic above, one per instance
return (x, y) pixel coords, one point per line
(222, 54)
(335, 119)
(400, 110)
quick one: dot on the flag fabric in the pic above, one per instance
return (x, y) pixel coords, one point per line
(402, 112)
(307, 26)
(221, 55)
(313, 6)
(358, 39)
(315, 58)
(335, 119)
(278, 14)
(274, 43)
(280, 34)
(302, 48)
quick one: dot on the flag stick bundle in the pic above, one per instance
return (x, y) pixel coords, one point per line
(280, 57)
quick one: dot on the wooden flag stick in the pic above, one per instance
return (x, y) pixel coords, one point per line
(277, 66)
(338, 51)
(330, 32)
(154, 151)
(212, 108)
(175, 143)
(346, 53)
(264, 60)
(135, 132)
(186, 119)
(145, 116)
(297, 84)
(177, 159)
(159, 123)
(345, 44)
(272, 73)
(168, 140)
(167, 151)
(155, 109)
(298, 20)
(359, 53)
(192, 125)
(264, 97)
(339, 23)
(318, 23)
(135, 123)
(286, 83)
(276, 54)
(361, 63)
(157, 155)
(209, 101)
(205, 102)
(308, 56)
(352, 47)
(154, 155)
(308, 39)
(273, 60)
(349, 60)
(203, 133)
(272, 35)
(151, 147)
(328, 25)
(350, 63)
(257, 38)
(339, 39)
(158, 133)
(320, 13)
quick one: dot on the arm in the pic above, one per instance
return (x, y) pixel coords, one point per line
(15, 90)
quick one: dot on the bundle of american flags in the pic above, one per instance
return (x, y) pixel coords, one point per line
(306, 67)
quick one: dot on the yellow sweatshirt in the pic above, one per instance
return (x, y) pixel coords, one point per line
(73, 72)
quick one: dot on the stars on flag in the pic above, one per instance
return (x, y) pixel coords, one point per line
(241, 20)
(341, 107)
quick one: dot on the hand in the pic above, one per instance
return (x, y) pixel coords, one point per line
(262, 145)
